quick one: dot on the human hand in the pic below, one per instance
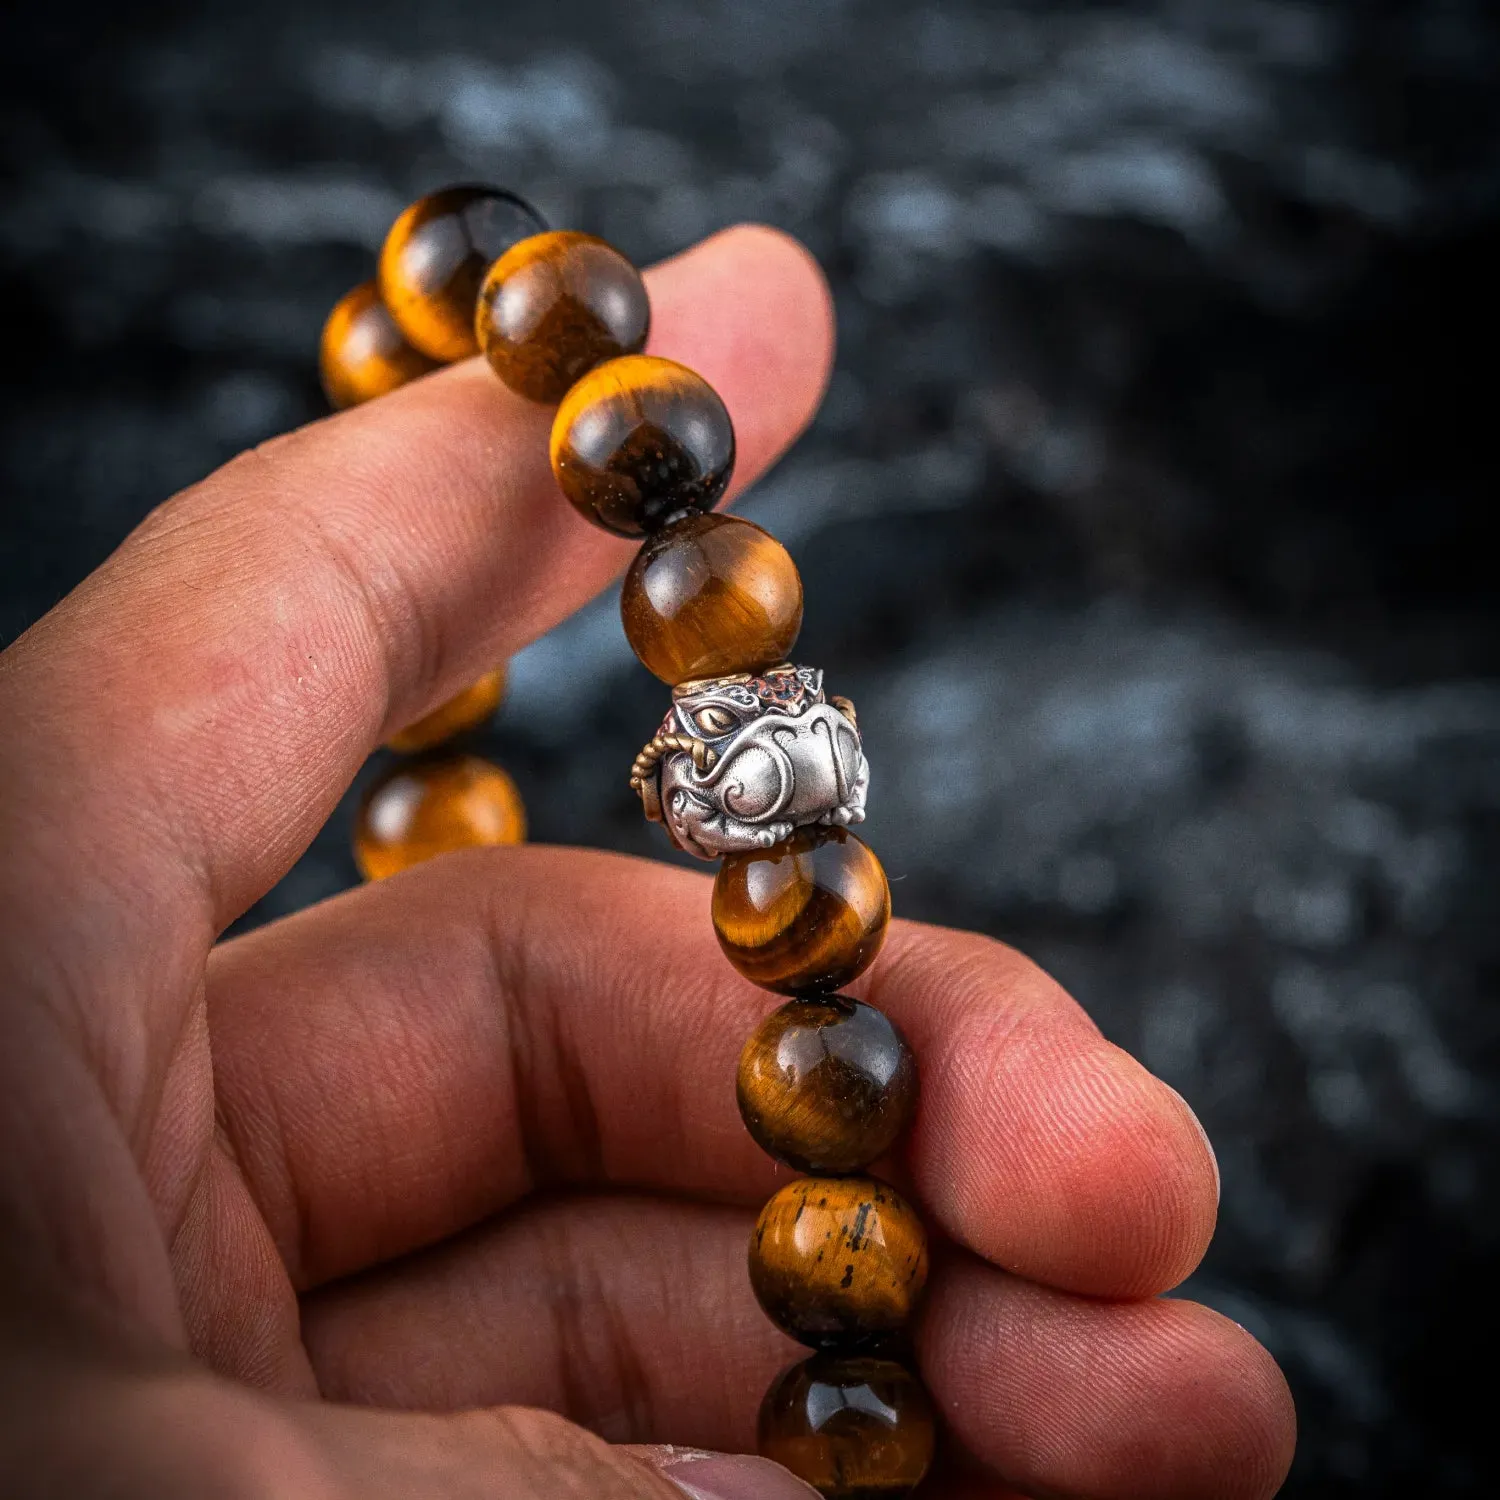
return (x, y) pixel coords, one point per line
(464, 1141)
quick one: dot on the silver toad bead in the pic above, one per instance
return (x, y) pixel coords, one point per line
(741, 761)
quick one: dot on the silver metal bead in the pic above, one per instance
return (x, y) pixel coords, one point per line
(741, 761)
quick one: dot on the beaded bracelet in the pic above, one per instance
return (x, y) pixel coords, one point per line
(753, 765)
(436, 798)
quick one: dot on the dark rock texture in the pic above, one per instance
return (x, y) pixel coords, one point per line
(1142, 522)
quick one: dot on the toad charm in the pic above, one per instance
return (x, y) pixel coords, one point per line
(741, 761)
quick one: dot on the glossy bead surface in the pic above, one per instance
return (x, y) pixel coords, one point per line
(711, 595)
(362, 353)
(430, 807)
(464, 711)
(434, 259)
(855, 1428)
(838, 1261)
(826, 1085)
(805, 917)
(554, 307)
(639, 440)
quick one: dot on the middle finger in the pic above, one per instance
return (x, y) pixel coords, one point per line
(409, 1058)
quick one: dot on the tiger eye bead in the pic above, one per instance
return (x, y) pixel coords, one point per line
(362, 353)
(805, 917)
(554, 307)
(465, 710)
(711, 595)
(426, 808)
(434, 260)
(826, 1085)
(855, 1428)
(640, 440)
(838, 1261)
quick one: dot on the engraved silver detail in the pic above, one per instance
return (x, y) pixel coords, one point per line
(742, 761)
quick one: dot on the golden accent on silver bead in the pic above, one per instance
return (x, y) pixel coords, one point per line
(646, 762)
(697, 684)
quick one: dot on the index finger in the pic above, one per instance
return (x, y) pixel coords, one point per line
(191, 714)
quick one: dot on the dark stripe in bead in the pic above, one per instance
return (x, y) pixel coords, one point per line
(806, 917)
(434, 259)
(639, 441)
(709, 596)
(838, 1262)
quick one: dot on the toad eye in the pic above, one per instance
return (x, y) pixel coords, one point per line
(713, 721)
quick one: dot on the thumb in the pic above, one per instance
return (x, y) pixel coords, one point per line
(521, 1453)
(159, 1427)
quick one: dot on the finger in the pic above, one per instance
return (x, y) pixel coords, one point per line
(183, 1435)
(635, 1318)
(522, 1454)
(413, 1056)
(93, 1410)
(1177, 1401)
(191, 714)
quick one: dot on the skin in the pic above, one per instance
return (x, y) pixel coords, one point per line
(438, 1188)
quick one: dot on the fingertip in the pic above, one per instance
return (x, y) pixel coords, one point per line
(1078, 1167)
(1224, 1396)
(1161, 1398)
(1144, 1180)
(772, 361)
(1122, 1195)
(1195, 1125)
(1258, 1401)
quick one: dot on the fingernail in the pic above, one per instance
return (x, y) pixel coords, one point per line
(729, 1476)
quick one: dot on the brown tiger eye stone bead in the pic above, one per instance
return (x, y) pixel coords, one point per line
(855, 1428)
(554, 307)
(805, 917)
(826, 1085)
(640, 440)
(434, 259)
(838, 1261)
(465, 710)
(711, 595)
(362, 353)
(426, 808)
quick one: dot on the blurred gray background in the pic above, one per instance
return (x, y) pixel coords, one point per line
(1142, 520)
